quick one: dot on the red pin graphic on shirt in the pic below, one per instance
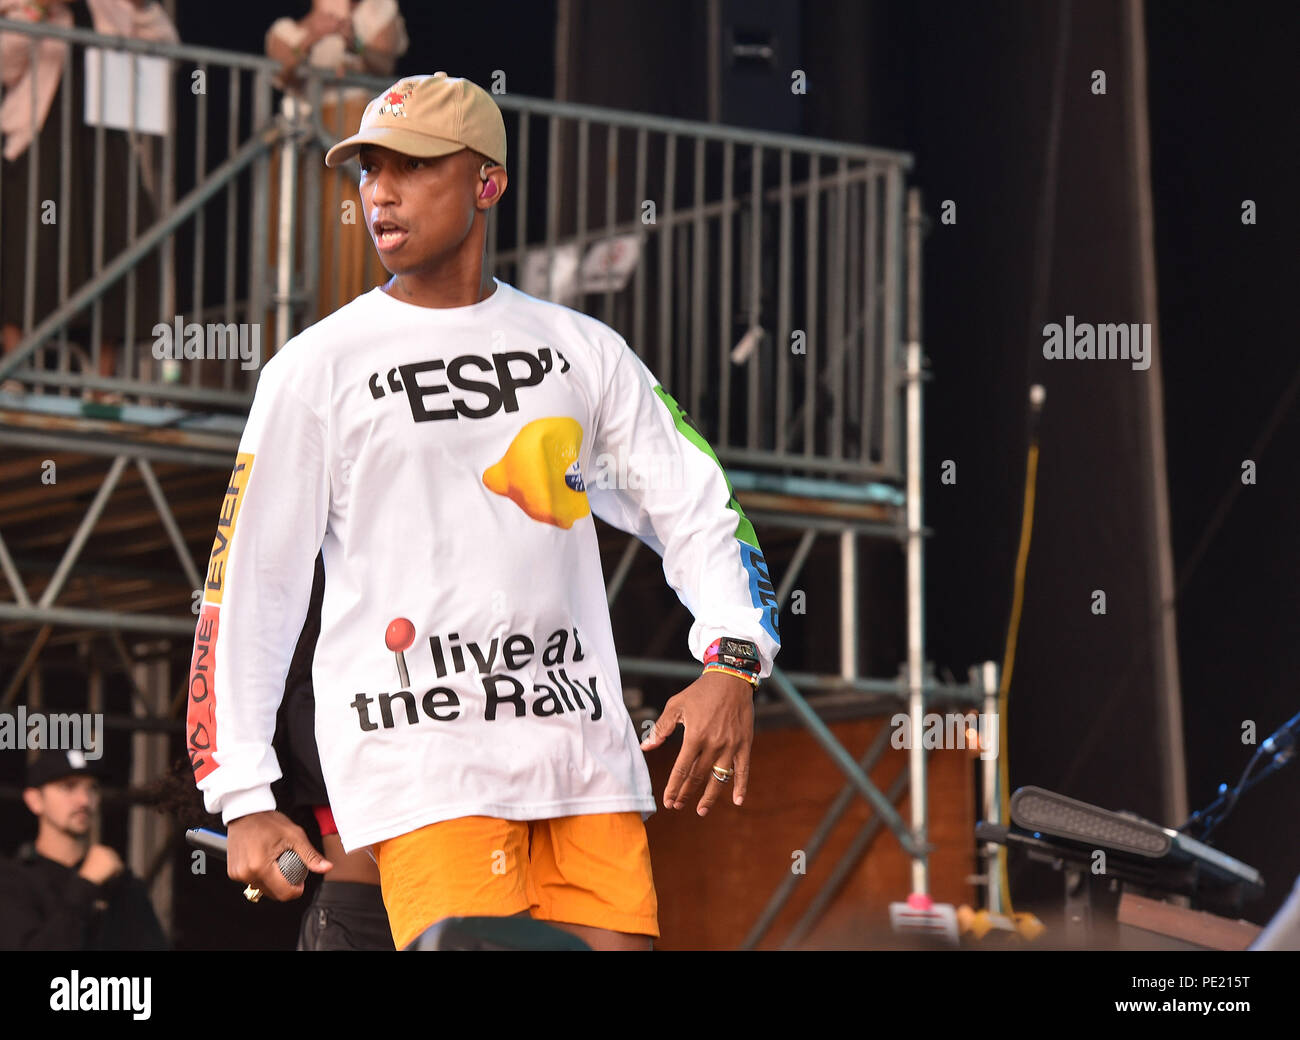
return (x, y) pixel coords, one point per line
(399, 637)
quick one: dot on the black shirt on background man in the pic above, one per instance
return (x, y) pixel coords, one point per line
(61, 892)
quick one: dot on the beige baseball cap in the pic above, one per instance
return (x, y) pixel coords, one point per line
(427, 116)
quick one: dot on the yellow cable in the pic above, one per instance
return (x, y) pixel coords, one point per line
(1008, 665)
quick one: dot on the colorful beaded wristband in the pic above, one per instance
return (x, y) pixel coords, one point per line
(749, 677)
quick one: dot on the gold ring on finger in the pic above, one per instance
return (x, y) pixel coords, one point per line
(252, 894)
(723, 776)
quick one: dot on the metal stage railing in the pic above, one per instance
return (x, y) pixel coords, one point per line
(757, 274)
(766, 279)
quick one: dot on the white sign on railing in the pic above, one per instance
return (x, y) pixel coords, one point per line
(113, 110)
(610, 263)
(563, 270)
(607, 267)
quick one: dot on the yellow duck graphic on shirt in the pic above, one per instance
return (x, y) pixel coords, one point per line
(539, 472)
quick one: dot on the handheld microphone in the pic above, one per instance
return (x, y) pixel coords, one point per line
(289, 862)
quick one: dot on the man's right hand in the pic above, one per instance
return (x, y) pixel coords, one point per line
(100, 864)
(255, 842)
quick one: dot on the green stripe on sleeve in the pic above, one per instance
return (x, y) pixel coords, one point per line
(687, 428)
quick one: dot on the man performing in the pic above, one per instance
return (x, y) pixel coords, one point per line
(444, 440)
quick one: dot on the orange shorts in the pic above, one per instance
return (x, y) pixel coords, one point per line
(591, 870)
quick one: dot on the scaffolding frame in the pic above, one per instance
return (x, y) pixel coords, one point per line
(817, 505)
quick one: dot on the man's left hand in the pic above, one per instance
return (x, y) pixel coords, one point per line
(718, 713)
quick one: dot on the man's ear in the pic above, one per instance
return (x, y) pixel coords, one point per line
(491, 190)
(34, 799)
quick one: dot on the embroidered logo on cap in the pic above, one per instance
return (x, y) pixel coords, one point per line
(395, 102)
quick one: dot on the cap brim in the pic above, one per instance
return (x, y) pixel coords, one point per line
(41, 781)
(408, 142)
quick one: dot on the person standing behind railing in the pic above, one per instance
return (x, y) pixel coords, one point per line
(26, 82)
(337, 38)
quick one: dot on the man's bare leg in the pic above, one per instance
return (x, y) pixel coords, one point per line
(599, 938)
(604, 938)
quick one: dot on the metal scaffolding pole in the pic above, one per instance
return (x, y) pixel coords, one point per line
(988, 673)
(915, 549)
(95, 704)
(148, 833)
(848, 604)
(292, 115)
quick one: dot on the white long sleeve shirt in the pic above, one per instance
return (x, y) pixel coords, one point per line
(448, 463)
